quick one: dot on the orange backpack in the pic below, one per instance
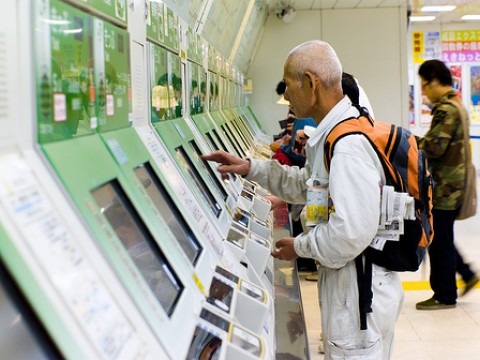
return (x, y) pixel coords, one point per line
(406, 170)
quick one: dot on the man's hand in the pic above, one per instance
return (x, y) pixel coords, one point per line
(229, 163)
(275, 201)
(284, 249)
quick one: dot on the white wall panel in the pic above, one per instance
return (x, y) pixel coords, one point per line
(377, 55)
(267, 66)
(371, 44)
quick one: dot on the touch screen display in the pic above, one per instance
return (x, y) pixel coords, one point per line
(224, 147)
(252, 291)
(234, 131)
(213, 146)
(169, 211)
(213, 143)
(22, 335)
(233, 140)
(240, 132)
(208, 169)
(139, 243)
(202, 188)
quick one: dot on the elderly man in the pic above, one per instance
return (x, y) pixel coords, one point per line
(313, 76)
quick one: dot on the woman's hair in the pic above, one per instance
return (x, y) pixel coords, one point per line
(350, 88)
(435, 69)
(281, 87)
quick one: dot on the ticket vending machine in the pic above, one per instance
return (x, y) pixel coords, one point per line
(188, 195)
(140, 247)
(53, 278)
(164, 69)
(98, 229)
(195, 75)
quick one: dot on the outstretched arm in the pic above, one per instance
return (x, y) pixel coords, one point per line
(229, 163)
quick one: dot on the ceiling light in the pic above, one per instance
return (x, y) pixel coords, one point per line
(72, 31)
(422, 18)
(470, 17)
(56, 22)
(437, 8)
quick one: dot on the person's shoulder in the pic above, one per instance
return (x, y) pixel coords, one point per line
(353, 144)
(447, 108)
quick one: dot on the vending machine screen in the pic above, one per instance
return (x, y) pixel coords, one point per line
(202, 188)
(239, 131)
(169, 211)
(22, 334)
(233, 140)
(208, 169)
(139, 244)
(224, 147)
(213, 146)
(211, 143)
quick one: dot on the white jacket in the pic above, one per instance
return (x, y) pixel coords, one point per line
(354, 179)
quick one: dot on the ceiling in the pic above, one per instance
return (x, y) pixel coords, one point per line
(462, 6)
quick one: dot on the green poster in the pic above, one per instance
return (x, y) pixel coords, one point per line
(113, 9)
(171, 29)
(64, 73)
(155, 23)
(112, 76)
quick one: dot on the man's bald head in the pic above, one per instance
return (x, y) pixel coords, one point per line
(313, 74)
(317, 57)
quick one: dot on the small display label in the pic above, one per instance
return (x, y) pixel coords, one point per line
(59, 107)
(110, 105)
(317, 205)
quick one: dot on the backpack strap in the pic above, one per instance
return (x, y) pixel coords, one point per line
(365, 125)
(344, 128)
(363, 266)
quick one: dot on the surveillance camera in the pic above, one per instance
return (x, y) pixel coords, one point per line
(288, 17)
(286, 14)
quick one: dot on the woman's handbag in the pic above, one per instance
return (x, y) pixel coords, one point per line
(469, 205)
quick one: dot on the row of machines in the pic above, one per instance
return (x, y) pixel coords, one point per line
(117, 241)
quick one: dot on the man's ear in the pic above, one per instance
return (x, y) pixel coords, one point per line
(311, 80)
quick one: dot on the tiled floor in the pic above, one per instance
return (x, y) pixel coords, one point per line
(452, 334)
